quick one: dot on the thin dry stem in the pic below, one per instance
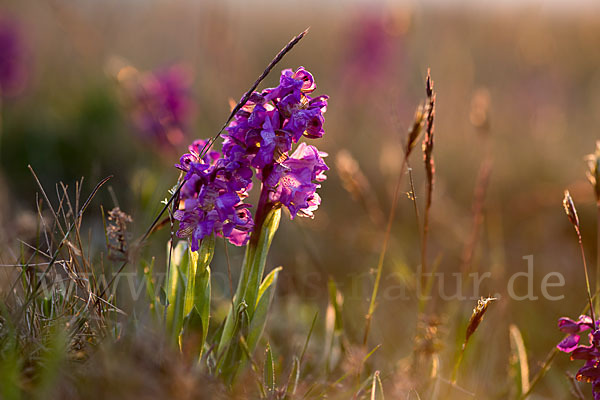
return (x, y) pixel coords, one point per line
(412, 137)
(476, 318)
(384, 246)
(597, 253)
(571, 212)
(479, 196)
(593, 175)
(64, 239)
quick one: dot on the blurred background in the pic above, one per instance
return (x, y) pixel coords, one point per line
(90, 89)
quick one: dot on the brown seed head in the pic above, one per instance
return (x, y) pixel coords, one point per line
(415, 129)
(428, 139)
(570, 210)
(477, 316)
(117, 234)
(429, 84)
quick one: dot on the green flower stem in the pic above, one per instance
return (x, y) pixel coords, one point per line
(240, 317)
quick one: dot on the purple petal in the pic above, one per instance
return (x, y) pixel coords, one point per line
(589, 372)
(569, 343)
(567, 325)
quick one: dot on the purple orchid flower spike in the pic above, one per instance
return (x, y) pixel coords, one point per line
(590, 371)
(212, 197)
(258, 140)
(273, 120)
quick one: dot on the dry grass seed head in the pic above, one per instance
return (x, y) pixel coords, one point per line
(570, 210)
(477, 316)
(117, 234)
(415, 129)
(429, 130)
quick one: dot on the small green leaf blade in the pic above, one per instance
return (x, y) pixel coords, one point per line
(293, 379)
(269, 370)
(176, 289)
(259, 320)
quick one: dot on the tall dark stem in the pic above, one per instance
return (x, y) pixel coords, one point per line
(597, 255)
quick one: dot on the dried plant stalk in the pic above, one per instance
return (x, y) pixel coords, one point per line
(476, 318)
(593, 175)
(571, 212)
(413, 135)
(429, 170)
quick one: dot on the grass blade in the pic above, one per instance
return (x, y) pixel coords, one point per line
(292, 383)
(269, 370)
(377, 388)
(176, 289)
(518, 360)
(259, 319)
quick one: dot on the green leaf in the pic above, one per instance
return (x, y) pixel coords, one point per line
(53, 356)
(248, 331)
(162, 297)
(197, 291)
(234, 355)
(269, 370)
(155, 301)
(292, 383)
(189, 288)
(176, 289)
(198, 272)
(258, 322)
(252, 269)
(11, 365)
(191, 335)
(190, 281)
(202, 290)
(251, 295)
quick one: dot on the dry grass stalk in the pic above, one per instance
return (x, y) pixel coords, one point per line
(519, 357)
(593, 175)
(429, 169)
(474, 322)
(413, 135)
(117, 234)
(571, 212)
(480, 119)
(477, 317)
(483, 180)
(415, 129)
